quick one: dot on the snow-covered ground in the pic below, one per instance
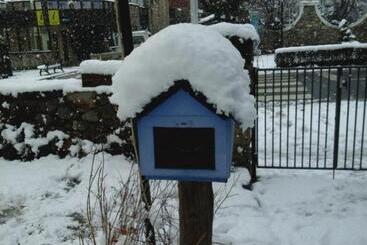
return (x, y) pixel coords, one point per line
(286, 130)
(30, 80)
(265, 61)
(40, 202)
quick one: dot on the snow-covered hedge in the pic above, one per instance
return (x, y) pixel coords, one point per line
(322, 55)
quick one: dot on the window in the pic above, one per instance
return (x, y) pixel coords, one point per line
(74, 4)
(64, 5)
(141, 3)
(38, 5)
(44, 39)
(35, 40)
(18, 6)
(87, 4)
(97, 5)
(27, 6)
(52, 5)
(184, 148)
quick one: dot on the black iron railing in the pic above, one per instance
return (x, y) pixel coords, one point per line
(311, 118)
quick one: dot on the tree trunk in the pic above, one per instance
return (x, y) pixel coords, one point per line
(196, 213)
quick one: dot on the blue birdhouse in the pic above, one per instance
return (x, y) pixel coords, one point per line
(181, 137)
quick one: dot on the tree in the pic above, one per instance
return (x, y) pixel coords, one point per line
(271, 12)
(335, 11)
(225, 11)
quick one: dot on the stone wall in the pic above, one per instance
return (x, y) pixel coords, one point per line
(35, 124)
(309, 29)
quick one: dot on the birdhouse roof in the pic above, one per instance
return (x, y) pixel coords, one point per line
(185, 52)
(185, 86)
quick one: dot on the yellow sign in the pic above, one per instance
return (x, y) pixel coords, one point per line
(40, 19)
(53, 17)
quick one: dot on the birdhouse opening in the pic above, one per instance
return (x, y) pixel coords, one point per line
(184, 148)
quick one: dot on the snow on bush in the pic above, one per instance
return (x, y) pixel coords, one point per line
(332, 54)
(354, 44)
(185, 52)
(23, 136)
(108, 67)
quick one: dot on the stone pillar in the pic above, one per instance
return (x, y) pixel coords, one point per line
(158, 11)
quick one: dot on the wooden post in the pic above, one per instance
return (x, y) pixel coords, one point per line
(124, 25)
(145, 193)
(196, 213)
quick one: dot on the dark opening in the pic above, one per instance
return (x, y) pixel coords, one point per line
(184, 148)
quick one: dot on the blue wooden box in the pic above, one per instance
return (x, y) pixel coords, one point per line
(181, 137)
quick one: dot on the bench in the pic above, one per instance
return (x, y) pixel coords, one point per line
(48, 68)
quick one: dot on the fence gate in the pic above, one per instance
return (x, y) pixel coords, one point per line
(311, 118)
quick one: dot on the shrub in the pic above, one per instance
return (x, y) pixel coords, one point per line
(322, 55)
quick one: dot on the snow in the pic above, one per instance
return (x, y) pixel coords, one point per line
(45, 198)
(31, 81)
(342, 23)
(11, 133)
(207, 18)
(265, 61)
(245, 31)
(316, 146)
(354, 44)
(191, 52)
(285, 207)
(5, 105)
(108, 67)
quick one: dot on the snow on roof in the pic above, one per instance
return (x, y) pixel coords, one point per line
(245, 31)
(185, 52)
(206, 19)
(353, 44)
(108, 67)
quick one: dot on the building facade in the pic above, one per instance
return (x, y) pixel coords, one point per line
(38, 32)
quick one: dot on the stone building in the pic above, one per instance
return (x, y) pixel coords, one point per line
(68, 31)
(158, 14)
(165, 12)
(179, 11)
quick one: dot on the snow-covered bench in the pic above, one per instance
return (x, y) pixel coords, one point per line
(48, 68)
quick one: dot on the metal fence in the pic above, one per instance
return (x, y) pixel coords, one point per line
(311, 118)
